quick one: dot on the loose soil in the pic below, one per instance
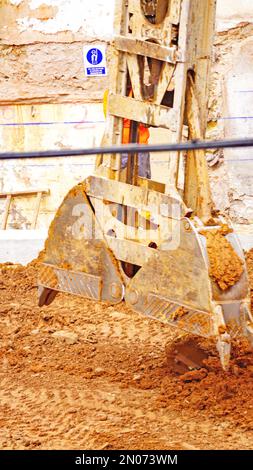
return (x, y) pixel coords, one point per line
(83, 375)
(227, 269)
(249, 259)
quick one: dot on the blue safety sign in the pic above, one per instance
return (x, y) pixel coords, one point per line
(95, 60)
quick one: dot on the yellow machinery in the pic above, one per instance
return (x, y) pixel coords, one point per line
(161, 248)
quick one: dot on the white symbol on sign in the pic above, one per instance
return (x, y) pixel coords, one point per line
(94, 56)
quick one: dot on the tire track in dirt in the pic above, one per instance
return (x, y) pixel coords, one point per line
(111, 388)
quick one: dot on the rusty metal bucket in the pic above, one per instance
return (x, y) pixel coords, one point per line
(174, 282)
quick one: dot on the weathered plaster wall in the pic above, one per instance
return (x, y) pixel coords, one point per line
(232, 12)
(231, 116)
(46, 73)
(24, 21)
(40, 127)
(41, 45)
(46, 101)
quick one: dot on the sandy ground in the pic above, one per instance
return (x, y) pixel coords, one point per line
(82, 375)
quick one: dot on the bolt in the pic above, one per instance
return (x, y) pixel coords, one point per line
(187, 226)
(133, 297)
(115, 290)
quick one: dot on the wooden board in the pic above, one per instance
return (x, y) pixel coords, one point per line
(140, 111)
(145, 48)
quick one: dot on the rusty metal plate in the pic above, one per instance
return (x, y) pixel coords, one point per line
(178, 271)
(135, 196)
(62, 280)
(162, 309)
(76, 249)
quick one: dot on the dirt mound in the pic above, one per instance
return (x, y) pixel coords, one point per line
(225, 270)
(79, 374)
(211, 390)
(17, 278)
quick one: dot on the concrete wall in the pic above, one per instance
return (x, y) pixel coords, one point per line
(46, 101)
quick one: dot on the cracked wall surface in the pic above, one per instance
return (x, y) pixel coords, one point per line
(46, 101)
(231, 117)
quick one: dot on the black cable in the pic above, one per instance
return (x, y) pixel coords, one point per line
(131, 148)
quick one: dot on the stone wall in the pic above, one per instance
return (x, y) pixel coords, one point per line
(46, 101)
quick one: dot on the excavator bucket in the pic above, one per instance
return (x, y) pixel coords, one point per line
(162, 248)
(193, 278)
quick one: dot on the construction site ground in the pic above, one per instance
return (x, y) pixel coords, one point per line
(83, 375)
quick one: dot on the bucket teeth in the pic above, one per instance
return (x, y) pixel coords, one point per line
(224, 348)
(248, 322)
(46, 296)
